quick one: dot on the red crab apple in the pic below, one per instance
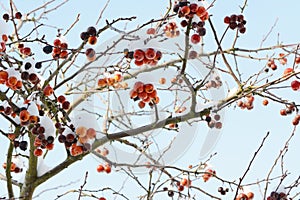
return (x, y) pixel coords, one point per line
(195, 39)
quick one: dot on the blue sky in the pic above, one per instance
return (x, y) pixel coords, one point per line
(243, 130)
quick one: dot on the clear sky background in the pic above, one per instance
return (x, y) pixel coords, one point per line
(243, 130)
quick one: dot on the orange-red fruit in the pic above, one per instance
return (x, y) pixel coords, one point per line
(100, 168)
(151, 31)
(92, 40)
(138, 86)
(63, 54)
(102, 198)
(287, 71)
(12, 80)
(91, 133)
(4, 38)
(81, 131)
(195, 38)
(57, 42)
(295, 85)
(153, 94)
(200, 11)
(150, 53)
(50, 146)
(3, 75)
(139, 55)
(250, 195)
(63, 46)
(141, 104)
(61, 99)
(148, 88)
(265, 102)
(102, 82)
(162, 81)
(48, 90)
(158, 55)
(24, 116)
(138, 63)
(107, 168)
(184, 181)
(133, 94)
(185, 10)
(38, 152)
(242, 196)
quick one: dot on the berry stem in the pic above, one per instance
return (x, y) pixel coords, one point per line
(187, 46)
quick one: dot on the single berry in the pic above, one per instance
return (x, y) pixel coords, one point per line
(48, 49)
(195, 39)
(38, 65)
(6, 17)
(91, 31)
(84, 35)
(295, 85)
(18, 15)
(92, 40)
(139, 55)
(150, 53)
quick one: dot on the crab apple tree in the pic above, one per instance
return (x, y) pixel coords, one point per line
(135, 107)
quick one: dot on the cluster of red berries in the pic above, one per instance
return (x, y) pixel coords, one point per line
(13, 168)
(104, 168)
(171, 30)
(223, 191)
(26, 51)
(85, 137)
(185, 182)
(248, 103)
(10, 81)
(187, 10)
(146, 93)
(18, 15)
(208, 173)
(143, 57)
(243, 196)
(27, 118)
(77, 140)
(59, 50)
(215, 82)
(110, 81)
(63, 101)
(214, 122)
(236, 21)
(289, 110)
(271, 64)
(90, 35)
(277, 196)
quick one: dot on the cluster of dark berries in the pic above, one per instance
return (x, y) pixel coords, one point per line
(89, 35)
(187, 10)
(247, 103)
(18, 15)
(236, 21)
(277, 196)
(214, 122)
(222, 190)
